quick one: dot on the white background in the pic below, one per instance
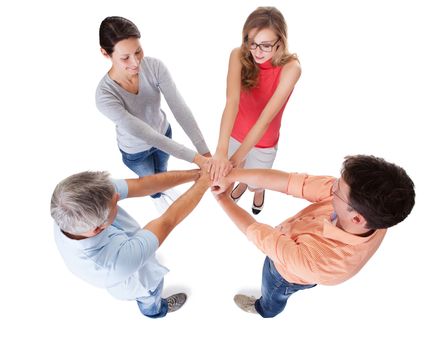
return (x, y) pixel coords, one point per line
(366, 87)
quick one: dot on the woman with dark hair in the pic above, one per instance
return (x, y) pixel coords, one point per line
(130, 95)
(261, 77)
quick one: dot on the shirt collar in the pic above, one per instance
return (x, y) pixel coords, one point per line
(86, 242)
(333, 232)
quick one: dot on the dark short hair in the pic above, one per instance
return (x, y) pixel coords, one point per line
(114, 29)
(380, 191)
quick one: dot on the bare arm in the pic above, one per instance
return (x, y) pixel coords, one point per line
(300, 185)
(239, 216)
(288, 78)
(264, 178)
(179, 210)
(147, 185)
(220, 165)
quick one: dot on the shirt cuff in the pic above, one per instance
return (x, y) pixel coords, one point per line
(202, 147)
(254, 230)
(295, 184)
(121, 187)
(186, 154)
(151, 240)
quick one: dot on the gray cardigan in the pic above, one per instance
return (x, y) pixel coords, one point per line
(140, 122)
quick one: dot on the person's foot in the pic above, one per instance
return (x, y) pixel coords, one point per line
(161, 203)
(238, 191)
(176, 301)
(259, 197)
(246, 303)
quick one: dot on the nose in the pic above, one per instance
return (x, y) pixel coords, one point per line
(135, 61)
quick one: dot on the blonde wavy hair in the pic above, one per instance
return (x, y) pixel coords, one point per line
(262, 18)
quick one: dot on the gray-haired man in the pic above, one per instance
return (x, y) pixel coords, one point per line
(106, 247)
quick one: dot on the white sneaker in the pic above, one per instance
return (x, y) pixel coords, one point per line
(161, 204)
(172, 194)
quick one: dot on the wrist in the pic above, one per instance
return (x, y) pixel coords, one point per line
(232, 176)
(193, 174)
(223, 199)
(221, 151)
(199, 160)
(203, 183)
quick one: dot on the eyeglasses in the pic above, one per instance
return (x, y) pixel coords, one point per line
(335, 188)
(263, 47)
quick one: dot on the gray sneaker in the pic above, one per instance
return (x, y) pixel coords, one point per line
(176, 301)
(246, 303)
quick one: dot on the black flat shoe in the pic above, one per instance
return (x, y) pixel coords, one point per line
(256, 209)
(235, 199)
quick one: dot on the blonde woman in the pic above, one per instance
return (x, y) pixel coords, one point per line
(261, 77)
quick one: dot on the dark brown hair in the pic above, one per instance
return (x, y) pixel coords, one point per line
(114, 29)
(381, 192)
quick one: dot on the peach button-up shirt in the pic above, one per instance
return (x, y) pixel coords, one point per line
(307, 248)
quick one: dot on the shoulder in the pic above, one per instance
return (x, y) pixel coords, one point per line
(103, 85)
(235, 64)
(106, 91)
(151, 60)
(293, 67)
(152, 63)
(291, 71)
(235, 54)
(154, 68)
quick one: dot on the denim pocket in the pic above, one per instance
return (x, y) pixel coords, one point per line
(134, 156)
(275, 274)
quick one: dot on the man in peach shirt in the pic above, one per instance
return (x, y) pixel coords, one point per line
(329, 241)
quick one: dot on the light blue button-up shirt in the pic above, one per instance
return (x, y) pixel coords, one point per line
(121, 258)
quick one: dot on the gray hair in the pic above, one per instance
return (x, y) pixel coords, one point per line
(81, 202)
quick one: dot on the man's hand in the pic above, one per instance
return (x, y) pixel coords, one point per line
(222, 196)
(204, 179)
(180, 208)
(222, 185)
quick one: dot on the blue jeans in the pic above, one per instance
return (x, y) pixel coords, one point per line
(275, 291)
(152, 161)
(153, 306)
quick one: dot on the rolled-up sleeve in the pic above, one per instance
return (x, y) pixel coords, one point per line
(121, 187)
(311, 188)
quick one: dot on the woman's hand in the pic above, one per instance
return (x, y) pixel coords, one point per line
(201, 161)
(219, 166)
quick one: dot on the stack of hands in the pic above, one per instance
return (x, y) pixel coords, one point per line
(215, 171)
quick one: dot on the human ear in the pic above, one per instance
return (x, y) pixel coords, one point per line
(104, 53)
(98, 230)
(358, 219)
